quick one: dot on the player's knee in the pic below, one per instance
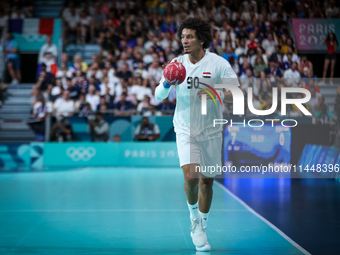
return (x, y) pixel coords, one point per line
(10, 65)
(206, 185)
(190, 181)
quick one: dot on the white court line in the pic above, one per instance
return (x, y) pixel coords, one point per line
(120, 210)
(264, 220)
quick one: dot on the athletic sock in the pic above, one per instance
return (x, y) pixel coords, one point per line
(205, 218)
(193, 209)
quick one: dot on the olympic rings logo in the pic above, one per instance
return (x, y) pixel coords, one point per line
(33, 38)
(81, 153)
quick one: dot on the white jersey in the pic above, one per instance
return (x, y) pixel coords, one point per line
(188, 119)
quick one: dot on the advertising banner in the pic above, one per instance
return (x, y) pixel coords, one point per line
(309, 33)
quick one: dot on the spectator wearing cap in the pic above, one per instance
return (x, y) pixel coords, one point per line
(48, 47)
(292, 76)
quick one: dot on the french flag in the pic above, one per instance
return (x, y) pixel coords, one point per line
(31, 26)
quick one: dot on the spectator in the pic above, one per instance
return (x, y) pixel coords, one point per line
(86, 26)
(124, 73)
(247, 80)
(78, 63)
(73, 88)
(268, 45)
(292, 76)
(145, 107)
(98, 17)
(166, 107)
(147, 131)
(259, 65)
(71, 23)
(116, 138)
(103, 105)
(62, 131)
(241, 49)
(313, 102)
(44, 81)
(92, 98)
(63, 106)
(99, 128)
(305, 63)
(324, 116)
(49, 64)
(234, 65)
(273, 72)
(56, 90)
(140, 90)
(12, 58)
(288, 63)
(229, 53)
(123, 105)
(48, 47)
(332, 11)
(264, 92)
(332, 46)
(277, 56)
(37, 120)
(80, 103)
(295, 57)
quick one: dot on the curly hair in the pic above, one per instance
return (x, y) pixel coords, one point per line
(202, 28)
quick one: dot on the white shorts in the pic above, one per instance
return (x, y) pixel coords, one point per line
(207, 154)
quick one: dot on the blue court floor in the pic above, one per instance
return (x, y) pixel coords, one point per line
(123, 211)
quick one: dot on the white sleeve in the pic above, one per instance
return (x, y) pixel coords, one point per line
(228, 75)
(161, 92)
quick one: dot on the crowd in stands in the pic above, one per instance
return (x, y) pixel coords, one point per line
(137, 38)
